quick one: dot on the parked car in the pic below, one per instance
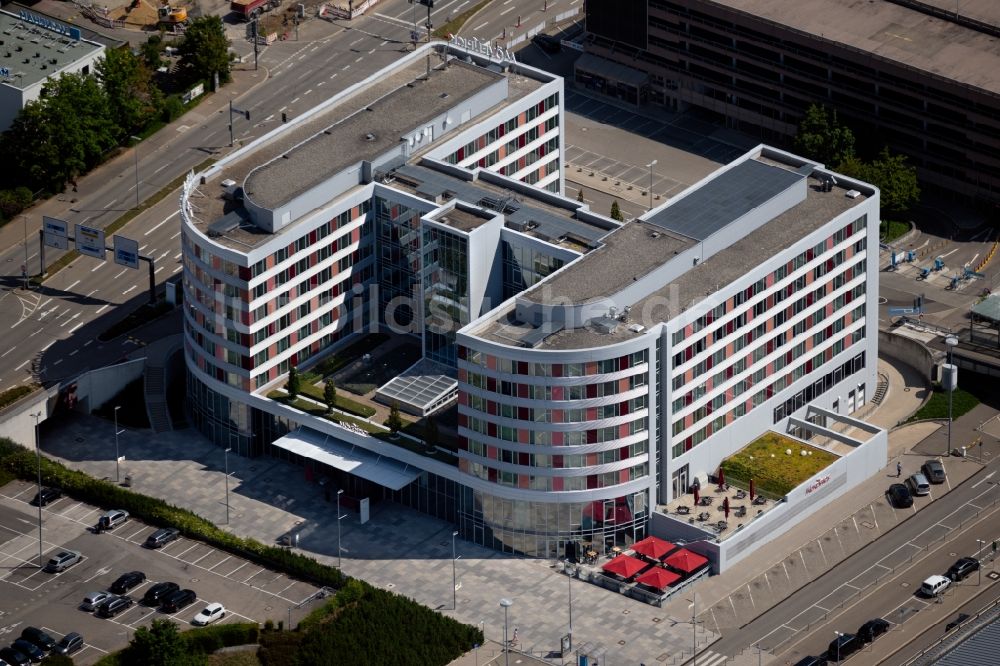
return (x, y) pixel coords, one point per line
(70, 643)
(933, 470)
(899, 496)
(918, 485)
(38, 638)
(811, 661)
(127, 581)
(548, 43)
(13, 657)
(111, 520)
(114, 606)
(93, 600)
(162, 537)
(843, 646)
(28, 649)
(934, 586)
(156, 594)
(962, 568)
(209, 614)
(62, 560)
(959, 619)
(872, 629)
(46, 495)
(177, 600)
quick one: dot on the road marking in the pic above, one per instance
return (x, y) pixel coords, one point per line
(8, 351)
(176, 212)
(202, 557)
(359, 59)
(357, 41)
(294, 100)
(72, 285)
(509, 9)
(158, 270)
(252, 575)
(103, 308)
(124, 270)
(307, 92)
(217, 564)
(345, 67)
(98, 266)
(108, 205)
(70, 320)
(334, 75)
(47, 346)
(178, 556)
(159, 169)
(129, 537)
(983, 480)
(480, 27)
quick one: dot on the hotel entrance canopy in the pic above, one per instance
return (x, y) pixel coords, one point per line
(348, 458)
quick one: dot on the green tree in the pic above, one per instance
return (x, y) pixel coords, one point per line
(62, 135)
(160, 644)
(133, 99)
(204, 50)
(579, 194)
(294, 384)
(395, 421)
(151, 51)
(12, 202)
(431, 434)
(56, 659)
(821, 137)
(330, 394)
(895, 179)
(616, 212)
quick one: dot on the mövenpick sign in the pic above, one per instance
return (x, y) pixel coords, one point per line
(485, 48)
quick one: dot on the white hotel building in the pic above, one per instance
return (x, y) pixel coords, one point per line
(598, 368)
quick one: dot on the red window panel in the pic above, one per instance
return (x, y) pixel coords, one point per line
(523, 459)
(491, 384)
(491, 407)
(522, 367)
(592, 481)
(491, 429)
(591, 437)
(591, 390)
(557, 483)
(557, 462)
(522, 413)
(492, 474)
(522, 390)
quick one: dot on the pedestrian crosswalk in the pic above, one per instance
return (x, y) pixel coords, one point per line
(709, 658)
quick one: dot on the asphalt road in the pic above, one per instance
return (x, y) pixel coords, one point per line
(880, 580)
(50, 332)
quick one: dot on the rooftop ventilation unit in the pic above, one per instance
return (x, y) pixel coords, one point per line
(605, 325)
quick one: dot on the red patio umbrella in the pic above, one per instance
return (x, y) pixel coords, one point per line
(696, 496)
(725, 505)
(722, 478)
(686, 561)
(752, 489)
(625, 566)
(658, 578)
(653, 548)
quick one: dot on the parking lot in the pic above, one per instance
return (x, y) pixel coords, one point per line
(30, 597)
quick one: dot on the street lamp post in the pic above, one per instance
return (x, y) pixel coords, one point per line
(694, 630)
(454, 577)
(339, 552)
(979, 569)
(38, 456)
(569, 606)
(24, 268)
(952, 342)
(506, 603)
(651, 165)
(136, 148)
(759, 656)
(118, 458)
(839, 635)
(228, 449)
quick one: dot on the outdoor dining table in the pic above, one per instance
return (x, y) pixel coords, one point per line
(741, 494)
(684, 510)
(705, 501)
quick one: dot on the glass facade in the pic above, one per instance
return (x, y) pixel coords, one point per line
(398, 263)
(523, 267)
(446, 292)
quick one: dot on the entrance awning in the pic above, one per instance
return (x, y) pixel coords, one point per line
(348, 458)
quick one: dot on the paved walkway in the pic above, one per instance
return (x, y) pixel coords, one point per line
(409, 552)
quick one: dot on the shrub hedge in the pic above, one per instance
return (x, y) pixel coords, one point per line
(12, 395)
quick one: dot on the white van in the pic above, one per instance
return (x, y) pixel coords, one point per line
(934, 586)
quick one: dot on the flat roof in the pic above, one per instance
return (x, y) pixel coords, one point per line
(521, 211)
(624, 256)
(364, 131)
(31, 53)
(314, 148)
(462, 218)
(722, 200)
(695, 284)
(930, 41)
(422, 385)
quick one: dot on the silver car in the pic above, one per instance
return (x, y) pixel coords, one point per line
(93, 600)
(919, 485)
(63, 560)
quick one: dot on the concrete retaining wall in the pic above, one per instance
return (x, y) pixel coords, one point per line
(96, 387)
(17, 422)
(907, 350)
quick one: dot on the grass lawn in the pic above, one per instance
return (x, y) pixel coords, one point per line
(937, 406)
(454, 25)
(367, 379)
(343, 402)
(890, 230)
(773, 470)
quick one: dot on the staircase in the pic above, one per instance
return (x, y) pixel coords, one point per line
(881, 389)
(155, 392)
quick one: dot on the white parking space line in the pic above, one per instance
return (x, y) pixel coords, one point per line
(236, 569)
(129, 537)
(252, 575)
(211, 552)
(212, 568)
(180, 555)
